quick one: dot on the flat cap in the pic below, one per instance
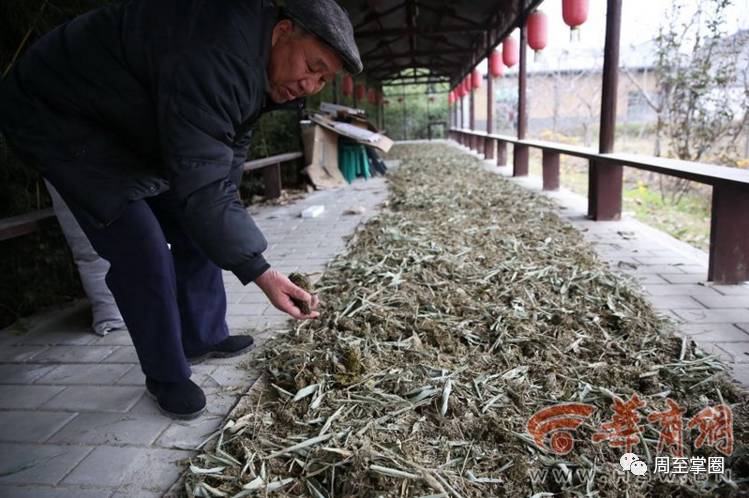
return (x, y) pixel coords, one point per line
(331, 24)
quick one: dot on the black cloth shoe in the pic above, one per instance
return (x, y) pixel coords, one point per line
(182, 400)
(234, 345)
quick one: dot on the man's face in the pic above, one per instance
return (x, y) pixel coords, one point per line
(299, 65)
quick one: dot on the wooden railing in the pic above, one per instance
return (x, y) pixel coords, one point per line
(24, 224)
(729, 222)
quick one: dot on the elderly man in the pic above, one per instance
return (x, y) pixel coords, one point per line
(140, 115)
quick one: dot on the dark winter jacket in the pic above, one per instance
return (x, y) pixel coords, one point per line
(146, 96)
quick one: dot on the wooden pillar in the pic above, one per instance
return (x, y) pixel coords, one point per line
(460, 113)
(520, 155)
(471, 119)
(551, 169)
(489, 142)
(501, 153)
(336, 96)
(605, 180)
(272, 180)
(729, 235)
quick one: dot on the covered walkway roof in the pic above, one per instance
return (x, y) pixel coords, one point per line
(440, 40)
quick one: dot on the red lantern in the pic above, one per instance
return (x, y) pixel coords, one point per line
(538, 31)
(495, 64)
(574, 13)
(459, 91)
(347, 86)
(476, 79)
(361, 91)
(510, 55)
(372, 96)
(450, 98)
(467, 86)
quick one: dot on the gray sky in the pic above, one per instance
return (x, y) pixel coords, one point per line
(640, 22)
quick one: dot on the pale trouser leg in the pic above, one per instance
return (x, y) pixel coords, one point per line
(91, 267)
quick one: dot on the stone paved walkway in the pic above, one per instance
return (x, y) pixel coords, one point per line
(74, 419)
(673, 275)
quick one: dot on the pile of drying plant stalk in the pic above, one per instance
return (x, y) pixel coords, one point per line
(455, 315)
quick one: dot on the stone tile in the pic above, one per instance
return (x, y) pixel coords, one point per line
(116, 338)
(685, 278)
(132, 469)
(650, 278)
(74, 354)
(679, 290)
(133, 377)
(741, 373)
(241, 322)
(96, 398)
(220, 401)
(713, 349)
(669, 260)
(38, 464)
(231, 376)
(248, 309)
(669, 302)
(254, 297)
(733, 290)
(713, 315)
(31, 426)
(738, 350)
(22, 373)
(201, 375)
(713, 332)
(17, 354)
(84, 374)
(146, 406)
(58, 338)
(112, 429)
(694, 269)
(123, 354)
(189, 434)
(105, 466)
(724, 301)
(22, 491)
(234, 297)
(127, 492)
(26, 397)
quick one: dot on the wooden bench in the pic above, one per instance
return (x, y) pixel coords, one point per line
(729, 220)
(25, 224)
(271, 167)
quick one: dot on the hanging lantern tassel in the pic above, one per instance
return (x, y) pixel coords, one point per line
(575, 13)
(538, 32)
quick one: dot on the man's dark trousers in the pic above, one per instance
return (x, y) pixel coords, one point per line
(173, 301)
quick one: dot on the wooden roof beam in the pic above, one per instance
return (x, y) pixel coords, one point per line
(419, 31)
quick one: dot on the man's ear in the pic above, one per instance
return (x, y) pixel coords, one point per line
(282, 29)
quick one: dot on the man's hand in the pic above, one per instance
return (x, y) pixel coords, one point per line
(280, 290)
